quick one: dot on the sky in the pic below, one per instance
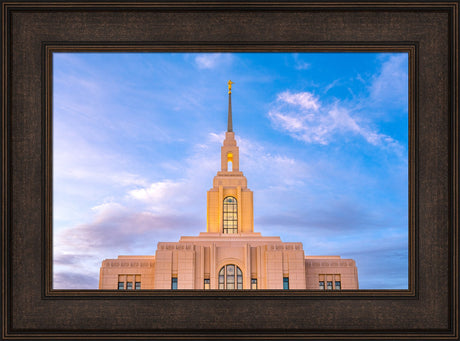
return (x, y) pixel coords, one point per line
(323, 141)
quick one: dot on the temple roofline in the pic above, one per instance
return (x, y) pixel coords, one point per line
(211, 236)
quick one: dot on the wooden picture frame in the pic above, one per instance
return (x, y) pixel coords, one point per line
(32, 31)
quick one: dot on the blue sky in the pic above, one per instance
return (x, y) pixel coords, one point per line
(323, 143)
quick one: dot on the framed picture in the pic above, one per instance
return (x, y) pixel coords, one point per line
(321, 158)
(34, 34)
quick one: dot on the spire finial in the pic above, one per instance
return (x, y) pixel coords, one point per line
(230, 86)
(229, 125)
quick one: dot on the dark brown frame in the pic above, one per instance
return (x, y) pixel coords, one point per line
(428, 31)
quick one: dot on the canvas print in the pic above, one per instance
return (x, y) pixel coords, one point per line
(230, 171)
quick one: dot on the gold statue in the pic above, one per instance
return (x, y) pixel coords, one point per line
(230, 86)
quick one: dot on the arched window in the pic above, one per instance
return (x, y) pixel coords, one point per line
(229, 278)
(230, 215)
(230, 162)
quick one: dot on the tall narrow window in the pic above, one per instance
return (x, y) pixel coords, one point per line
(230, 277)
(239, 278)
(329, 285)
(222, 278)
(338, 285)
(206, 284)
(174, 283)
(230, 215)
(138, 286)
(229, 162)
(253, 283)
(285, 283)
(129, 285)
(321, 285)
(121, 285)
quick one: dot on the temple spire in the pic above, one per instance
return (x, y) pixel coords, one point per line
(229, 125)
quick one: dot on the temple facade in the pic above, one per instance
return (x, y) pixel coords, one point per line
(229, 255)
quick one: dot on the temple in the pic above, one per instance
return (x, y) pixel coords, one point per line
(229, 255)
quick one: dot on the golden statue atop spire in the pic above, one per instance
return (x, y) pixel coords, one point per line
(229, 124)
(230, 86)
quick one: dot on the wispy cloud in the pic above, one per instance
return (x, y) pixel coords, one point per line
(121, 228)
(300, 64)
(72, 280)
(279, 171)
(390, 85)
(212, 60)
(331, 85)
(382, 261)
(340, 216)
(157, 194)
(305, 100)
(305, 118)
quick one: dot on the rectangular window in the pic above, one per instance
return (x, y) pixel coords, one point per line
(321, 285)
(121, 285)
(129, 285)
(338, 285)
(174, 283)
(285, 283)
(206, 284)
(138, 286)
(329, 285)
(254, 283)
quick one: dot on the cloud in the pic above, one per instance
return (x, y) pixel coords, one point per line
(339, 216)
(212, 60)
(390, 85)
(302, 66)
(163, 196)
(66, 259)
(72, 280)
(331, 85)
(117, 227)
(114, 230)
(305, 100)
(305, 118)
(379, 249)
(277, 168)
(299, 64)
(382, 262)
(216, 138)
